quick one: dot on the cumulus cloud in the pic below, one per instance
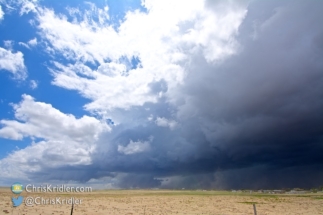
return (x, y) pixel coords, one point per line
(13, 62)
(158, 42)
(41, 120)
(58, 139)
(107, 86)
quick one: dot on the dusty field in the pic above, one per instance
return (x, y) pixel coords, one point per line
(168, 202)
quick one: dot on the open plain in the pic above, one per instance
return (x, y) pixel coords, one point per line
(167, 202)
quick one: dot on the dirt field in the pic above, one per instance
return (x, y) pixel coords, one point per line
(167, 202)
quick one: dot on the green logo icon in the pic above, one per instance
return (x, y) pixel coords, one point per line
(16, 188)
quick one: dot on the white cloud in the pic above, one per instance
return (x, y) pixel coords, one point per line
(13, 62)
(42, 155)
(24, 45)
(163, 122)
(134, 147)
(24, 6)
(1, 13)
(163, 44)
(33, 84)
(32, 42)
(106, 86)
(66, 140)
(27, 6)
(41, 120)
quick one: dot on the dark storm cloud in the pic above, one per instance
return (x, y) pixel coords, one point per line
(264, 105)
(253, 120)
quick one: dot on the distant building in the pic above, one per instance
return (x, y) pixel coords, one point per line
(297, 192)
(278, 191)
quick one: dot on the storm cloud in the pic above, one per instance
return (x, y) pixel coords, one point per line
(254, 119)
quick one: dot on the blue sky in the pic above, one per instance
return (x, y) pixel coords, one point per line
(161, 93)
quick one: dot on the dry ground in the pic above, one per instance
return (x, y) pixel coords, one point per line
(168, 202)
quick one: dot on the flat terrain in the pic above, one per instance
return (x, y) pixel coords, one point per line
(167, 202)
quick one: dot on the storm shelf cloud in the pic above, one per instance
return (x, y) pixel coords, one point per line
(214, 95)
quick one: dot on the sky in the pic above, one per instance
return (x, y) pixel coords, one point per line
(162, 94)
